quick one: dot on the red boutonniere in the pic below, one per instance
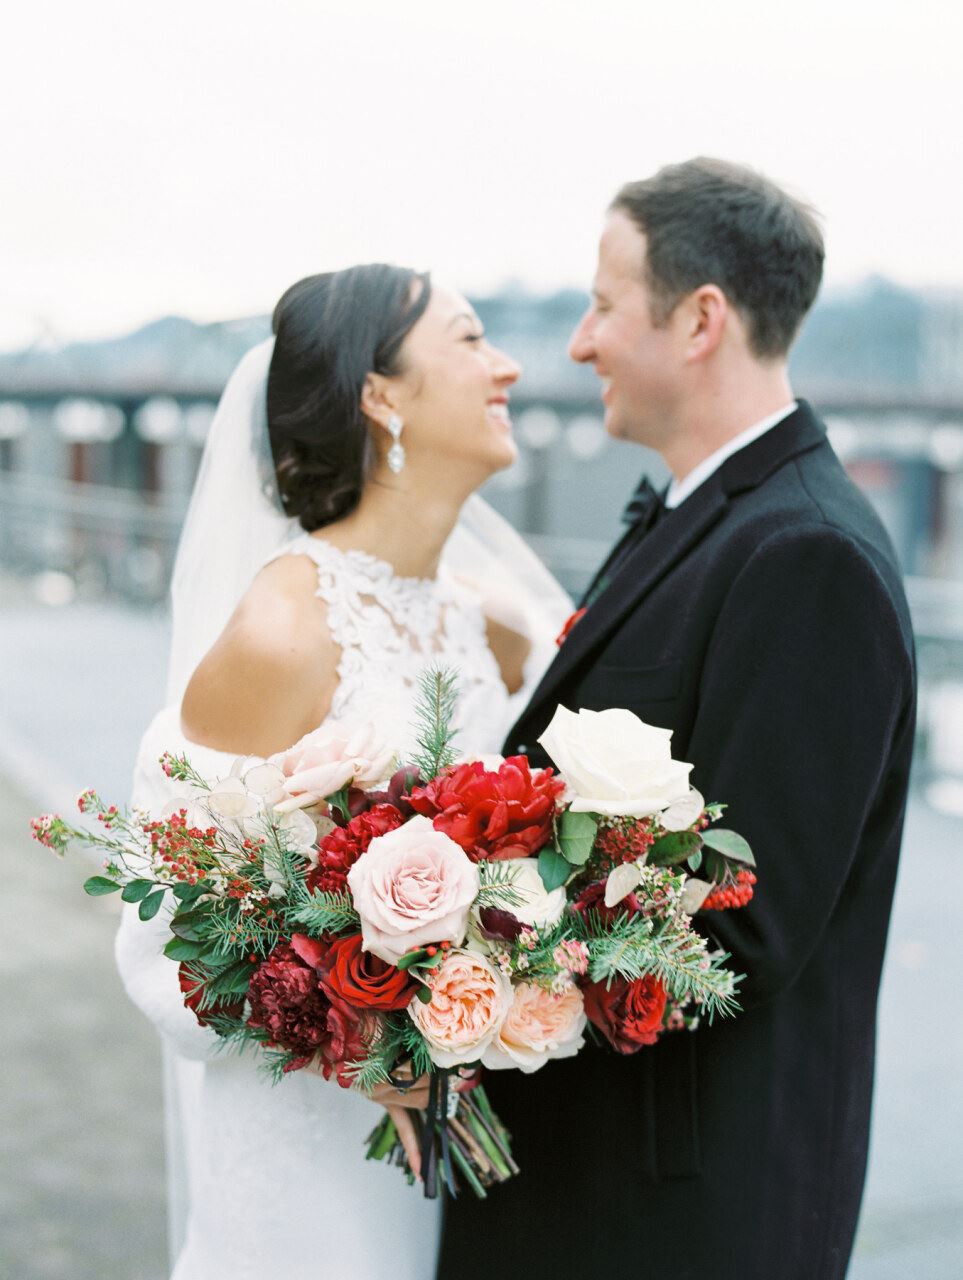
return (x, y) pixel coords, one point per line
(563, 634)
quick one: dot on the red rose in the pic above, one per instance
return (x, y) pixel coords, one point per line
(341, 848)
(593, 899)
(629, 1014)
(362, 979)
(288, 1001)
(507, 814)
(190, 984)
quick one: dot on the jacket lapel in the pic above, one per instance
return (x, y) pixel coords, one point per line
(659, 551)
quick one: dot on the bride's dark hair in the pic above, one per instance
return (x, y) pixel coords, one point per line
(331, 331)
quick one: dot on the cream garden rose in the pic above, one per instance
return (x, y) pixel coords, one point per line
(411, 887)
(539, 1026)
(615, 763)
(469, 1001)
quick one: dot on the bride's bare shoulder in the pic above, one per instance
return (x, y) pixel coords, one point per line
(271, 675)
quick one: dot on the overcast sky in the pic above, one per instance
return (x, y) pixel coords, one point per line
(198, 157)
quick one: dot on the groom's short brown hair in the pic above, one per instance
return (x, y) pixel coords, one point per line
(711, 222)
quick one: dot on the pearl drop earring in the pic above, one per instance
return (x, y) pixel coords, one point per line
(396, 454)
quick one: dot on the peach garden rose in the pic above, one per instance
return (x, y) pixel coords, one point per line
(539, 1026)
(469, 1000)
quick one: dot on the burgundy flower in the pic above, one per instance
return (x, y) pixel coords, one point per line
(592, 898)
(629, 1014)
(362, 979)
(342, 847)
(492, 815)
(288, 1001)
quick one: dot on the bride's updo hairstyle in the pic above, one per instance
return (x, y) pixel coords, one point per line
(331, 331)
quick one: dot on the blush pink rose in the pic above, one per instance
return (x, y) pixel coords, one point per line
(539, 1026)
(412, 886)
(329, 758)
(469, 1000)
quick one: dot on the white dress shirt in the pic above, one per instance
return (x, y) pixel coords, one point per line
(679, 490)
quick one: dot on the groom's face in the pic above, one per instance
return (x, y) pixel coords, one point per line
(634, 358)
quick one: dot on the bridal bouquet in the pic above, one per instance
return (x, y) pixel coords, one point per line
(463, 914)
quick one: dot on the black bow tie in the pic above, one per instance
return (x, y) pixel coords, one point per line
(644, 507)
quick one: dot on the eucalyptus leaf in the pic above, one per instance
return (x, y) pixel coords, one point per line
(181, 949)
(553, 868)
(673, 848)
(730, 845)
(424, 995)
(97, 886)
(150, 905)
(695, 862)
(410, 958)
(137, 890)
(576, 836)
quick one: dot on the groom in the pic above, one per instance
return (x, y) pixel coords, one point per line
(757, 611)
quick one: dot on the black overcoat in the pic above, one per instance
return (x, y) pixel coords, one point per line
(763, 621)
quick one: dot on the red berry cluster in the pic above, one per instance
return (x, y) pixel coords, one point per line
(734, 894)
(108, 816)
(626, 840)
(181, 847)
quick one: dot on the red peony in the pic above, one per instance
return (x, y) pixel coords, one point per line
(341, 848)
(593, 899)
(362, 979)
(507, 814)
(629, 1014)
(288, 1001)
(190, 985)
(345, 1042)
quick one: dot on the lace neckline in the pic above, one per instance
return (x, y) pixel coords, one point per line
(376, 566)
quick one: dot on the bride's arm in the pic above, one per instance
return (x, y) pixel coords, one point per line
(272, 674)
(267, 681)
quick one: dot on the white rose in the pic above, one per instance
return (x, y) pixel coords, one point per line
(615, 763)
(537, 907)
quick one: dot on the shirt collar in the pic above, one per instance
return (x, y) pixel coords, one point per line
(679, 490)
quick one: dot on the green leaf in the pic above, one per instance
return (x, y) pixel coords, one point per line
(424, 995)
(181, 949)
(150, 905)
(576, 836)
(714, 867)
(410, 958)
(695, 862)
(188, 892)
(96, 886)
(553, 868)
(233, 980)
(673, 848)
(137, 890)
(730, 845)
(339, 801)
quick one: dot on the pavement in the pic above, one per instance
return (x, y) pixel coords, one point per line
(81, 1186)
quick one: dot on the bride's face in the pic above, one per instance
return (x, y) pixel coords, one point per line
(453, 393)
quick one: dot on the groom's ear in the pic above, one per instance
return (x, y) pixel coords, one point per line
(377, 402)
(702, 317)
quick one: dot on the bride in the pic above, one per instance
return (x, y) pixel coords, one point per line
(333, 549)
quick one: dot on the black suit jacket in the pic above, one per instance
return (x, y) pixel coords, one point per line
(764, 622)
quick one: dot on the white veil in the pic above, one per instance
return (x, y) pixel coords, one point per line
(234, 524)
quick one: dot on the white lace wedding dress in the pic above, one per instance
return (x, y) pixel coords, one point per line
(277, 1181)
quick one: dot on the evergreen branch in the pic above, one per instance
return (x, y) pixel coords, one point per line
(434, 717)
(497, 885)
(325, 913)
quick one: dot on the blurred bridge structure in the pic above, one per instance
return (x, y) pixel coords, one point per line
(95, 480)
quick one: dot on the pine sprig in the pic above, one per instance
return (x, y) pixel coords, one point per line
(322, 913)
(434, 718)
(497, 885)
(678, 957)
